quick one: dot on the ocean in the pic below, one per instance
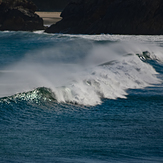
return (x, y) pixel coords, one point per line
(80, 98)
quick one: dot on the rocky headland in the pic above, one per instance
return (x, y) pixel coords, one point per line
(138, 17)
(51, 5)
(19, 15)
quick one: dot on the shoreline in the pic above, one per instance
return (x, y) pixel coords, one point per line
(49, 18)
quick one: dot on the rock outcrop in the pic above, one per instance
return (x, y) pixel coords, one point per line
(138, 17)
(51, 5)
(19, 15)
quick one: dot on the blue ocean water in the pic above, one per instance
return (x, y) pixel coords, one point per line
(80, 98)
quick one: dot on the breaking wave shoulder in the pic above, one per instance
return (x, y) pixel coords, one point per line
(82, 72)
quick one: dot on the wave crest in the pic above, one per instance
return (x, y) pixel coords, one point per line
(80, 75)
(37, 95)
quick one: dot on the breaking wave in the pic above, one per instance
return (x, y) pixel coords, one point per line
(82, 72)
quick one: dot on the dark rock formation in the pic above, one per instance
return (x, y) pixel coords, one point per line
(19, 15)
(51, 5)
(111, 16)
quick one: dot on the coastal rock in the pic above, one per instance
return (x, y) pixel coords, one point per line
(19, 15)
(111, 16)
(51, 5)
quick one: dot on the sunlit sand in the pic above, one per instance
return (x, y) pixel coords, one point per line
(49, 17)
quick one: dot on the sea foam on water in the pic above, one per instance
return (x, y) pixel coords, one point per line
(83, 72)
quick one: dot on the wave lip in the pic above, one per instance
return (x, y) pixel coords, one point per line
(37, 95)
(86, 76)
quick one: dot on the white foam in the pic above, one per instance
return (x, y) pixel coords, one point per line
(39, 31)
(104, 71)
(110, 81)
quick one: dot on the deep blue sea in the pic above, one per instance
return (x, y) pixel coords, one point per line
(80, 98)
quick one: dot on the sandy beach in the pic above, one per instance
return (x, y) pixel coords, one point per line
(49, 17)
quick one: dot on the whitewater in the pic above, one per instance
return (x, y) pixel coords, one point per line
(83, 84)
(83, 72)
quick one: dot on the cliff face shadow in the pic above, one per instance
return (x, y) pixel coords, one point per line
(137, 17)
(19, 15)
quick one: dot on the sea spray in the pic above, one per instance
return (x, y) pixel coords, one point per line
(84, 72)
(41, 75)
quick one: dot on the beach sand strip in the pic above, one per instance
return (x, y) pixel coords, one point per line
(49, 18)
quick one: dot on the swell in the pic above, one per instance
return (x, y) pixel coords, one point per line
(82, 71)
(109, 80)
(37, 95)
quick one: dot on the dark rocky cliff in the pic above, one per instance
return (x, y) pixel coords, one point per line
(51, 5)
(111, 16)
(19, 15)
